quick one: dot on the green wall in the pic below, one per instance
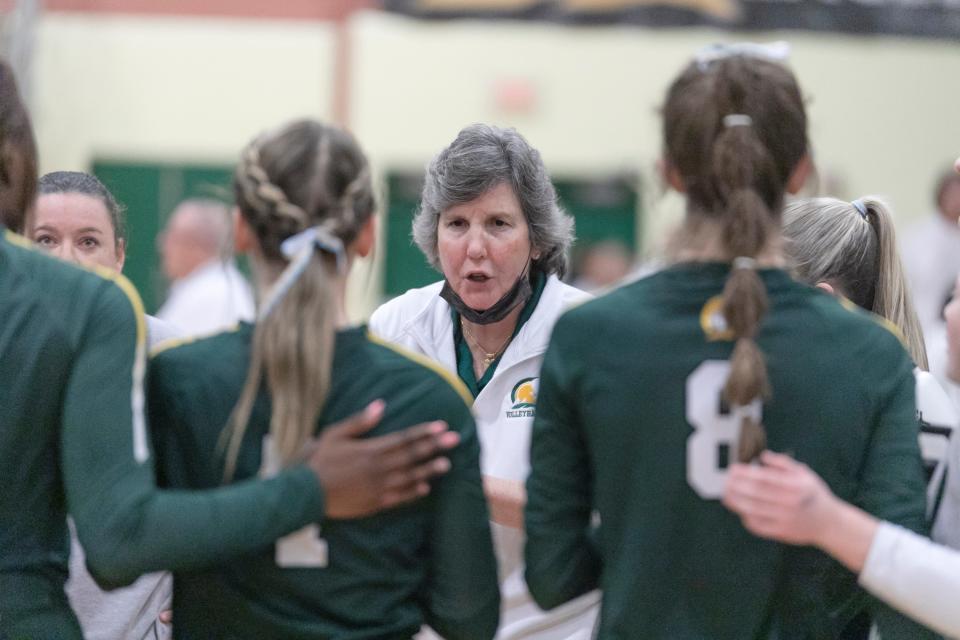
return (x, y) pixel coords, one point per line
(603, 208)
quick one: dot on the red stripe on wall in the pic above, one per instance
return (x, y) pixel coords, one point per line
(281, 9)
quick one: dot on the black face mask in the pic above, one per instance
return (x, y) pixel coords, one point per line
(518, 294)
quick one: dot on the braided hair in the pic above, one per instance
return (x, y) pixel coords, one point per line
(735, 129)
(304, 176)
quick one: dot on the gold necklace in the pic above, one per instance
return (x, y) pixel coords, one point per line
(488, 356)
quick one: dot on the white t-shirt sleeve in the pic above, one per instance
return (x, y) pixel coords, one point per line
(916, 576)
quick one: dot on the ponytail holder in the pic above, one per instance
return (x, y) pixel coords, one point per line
(315, 238)
(298, 249)
(861, 208)
(744, 262)
(737, 120)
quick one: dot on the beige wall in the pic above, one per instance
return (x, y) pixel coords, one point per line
(161, 88)
(883, 110)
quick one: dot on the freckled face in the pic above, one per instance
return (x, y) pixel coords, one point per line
(77, 228)
(484, 245)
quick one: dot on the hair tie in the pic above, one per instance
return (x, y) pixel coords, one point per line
(737, 120)
(744, 262)
(298, 248)
(861, 207)
(315, 237)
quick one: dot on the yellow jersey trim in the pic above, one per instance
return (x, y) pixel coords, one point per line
(424, 361)
(131, 292)
(17, 239)
(173, 343)
(880, 320)
(107, 274)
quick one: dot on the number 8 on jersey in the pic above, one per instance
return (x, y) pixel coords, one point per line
(716, 427)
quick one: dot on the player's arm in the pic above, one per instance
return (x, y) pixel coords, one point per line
(561, 559)
(462, 597)
(506, 499)
(916, 576)
(784, 500)
(128, 527)
(892, 486)
(125, 525)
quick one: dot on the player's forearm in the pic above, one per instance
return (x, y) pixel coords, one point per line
(916, 576)
(848, 534)
(480, 625)
(892, 482)
(506, 500)
(561, 562)
(127, 534)
(463, 595)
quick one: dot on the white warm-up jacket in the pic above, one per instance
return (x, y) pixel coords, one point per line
(420, 320)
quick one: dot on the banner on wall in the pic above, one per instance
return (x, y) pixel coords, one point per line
(927, 18)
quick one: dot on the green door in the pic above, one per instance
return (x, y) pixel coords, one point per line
(150, 192)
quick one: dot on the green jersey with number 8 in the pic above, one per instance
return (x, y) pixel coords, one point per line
(377, 577)
(633, 426)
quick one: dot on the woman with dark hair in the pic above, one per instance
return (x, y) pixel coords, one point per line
(650, 392)
(306, 211)
(77, 219)
(490, 223)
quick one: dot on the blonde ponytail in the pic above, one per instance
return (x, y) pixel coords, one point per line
(892, 300)
(306, 193)
(853, 247)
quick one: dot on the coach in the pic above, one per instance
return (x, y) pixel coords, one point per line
(490, 223)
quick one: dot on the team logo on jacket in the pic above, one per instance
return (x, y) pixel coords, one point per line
(713, 322)
(523, 399)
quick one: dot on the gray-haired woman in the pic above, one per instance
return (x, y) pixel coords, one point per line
(490, 223)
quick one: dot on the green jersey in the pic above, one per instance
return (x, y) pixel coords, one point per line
(375, 577)
(72, 435)
(633, 426)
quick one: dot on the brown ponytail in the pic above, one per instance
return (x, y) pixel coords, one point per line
(748, 113)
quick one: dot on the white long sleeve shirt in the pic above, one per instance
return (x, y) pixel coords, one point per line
(214, 297)
(916, 576)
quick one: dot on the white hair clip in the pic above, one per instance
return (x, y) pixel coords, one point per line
(744, 262)
(777, 51)
(737, 120)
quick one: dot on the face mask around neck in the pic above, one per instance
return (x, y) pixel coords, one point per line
(518, 294)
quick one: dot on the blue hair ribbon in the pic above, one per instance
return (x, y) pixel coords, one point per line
(861, 208)
(299, 249)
